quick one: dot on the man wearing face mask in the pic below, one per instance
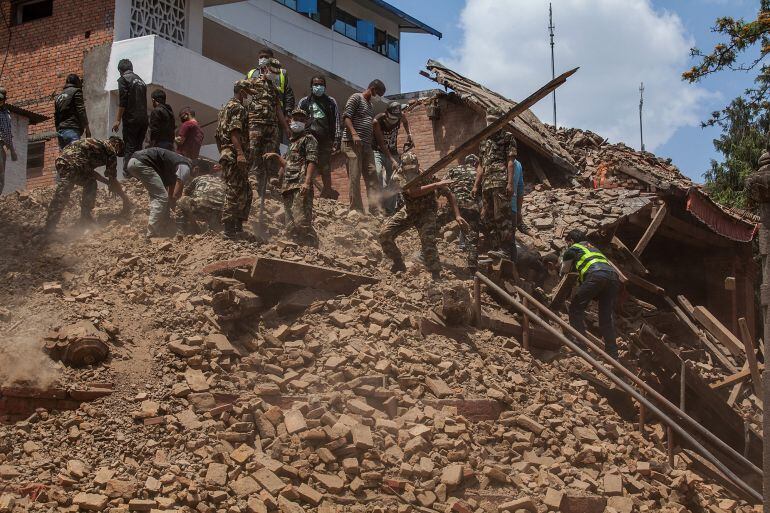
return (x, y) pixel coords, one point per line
(297, 170)
(281, 80)
(386, 127)
(265, 119)
(495, 179)
(325, 126)
(357, 145)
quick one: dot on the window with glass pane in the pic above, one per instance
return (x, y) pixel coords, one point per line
(345, 24)
(393, 48)
(380, 42)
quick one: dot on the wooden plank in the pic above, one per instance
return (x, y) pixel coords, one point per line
(732, 379)
(683, 317)
(730, 283)
(751, 358)
(660, 215)
(642, 177)
(535, 166)
(686, 305)
(563, 289)
(274, 270)
(720, 332)
(717, 352)
(734, 394)
(471, 143)
(636, 264)
(644, 284)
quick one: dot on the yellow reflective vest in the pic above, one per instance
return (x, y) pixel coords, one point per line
(588, 259)
(281, 85)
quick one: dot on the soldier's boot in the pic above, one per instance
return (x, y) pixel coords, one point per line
(231, 229)
(503, 253)
(398, 267)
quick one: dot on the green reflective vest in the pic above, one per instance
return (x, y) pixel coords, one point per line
(281, 85)
(588, 259)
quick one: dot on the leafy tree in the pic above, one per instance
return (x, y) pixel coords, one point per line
(742, 141)
(744, 122)
(742, 37)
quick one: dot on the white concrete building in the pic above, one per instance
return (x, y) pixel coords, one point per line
(196, 49)
(16, 171)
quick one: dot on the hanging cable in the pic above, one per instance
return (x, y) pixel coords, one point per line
(8, 44)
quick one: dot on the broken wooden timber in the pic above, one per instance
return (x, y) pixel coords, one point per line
(563, 289)
(644, 284)
(660, 215)
(274, 270)
(725, 422)
(471, 143)
(751, 358)
(636, 264)
(732, 379)
(718, 330)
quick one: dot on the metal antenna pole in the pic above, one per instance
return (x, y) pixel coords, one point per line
(641, 106)
(553, 66)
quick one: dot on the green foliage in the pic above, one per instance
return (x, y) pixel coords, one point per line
(743, 139)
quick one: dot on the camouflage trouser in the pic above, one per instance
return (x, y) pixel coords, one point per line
(68, 179)
(262, 139)
(473, 217)
(298, 209)
(238, 193)
(189, 211)
(427, 228)
(498, 218)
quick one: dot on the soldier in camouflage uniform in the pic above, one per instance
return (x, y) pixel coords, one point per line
(265, 118)
(297, 170)
(463, 178)
(76, 165)
(418, 211)
(231, 142)
(495, 179)
(203, 200)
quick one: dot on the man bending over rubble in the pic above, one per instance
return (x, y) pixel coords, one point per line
(419, 211)
(202, 201)
(77, 166)
(598, 280)
(163, 173)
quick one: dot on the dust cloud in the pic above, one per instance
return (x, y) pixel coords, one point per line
(23, 362)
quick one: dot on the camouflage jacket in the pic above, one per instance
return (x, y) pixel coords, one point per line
(464, 178)
(232, 116)
(83, 156)
(495, 152)
(302, 151)
(264, 98)
(208, 191)
(418, 205)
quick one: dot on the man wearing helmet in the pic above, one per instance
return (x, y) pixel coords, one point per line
(418, 211)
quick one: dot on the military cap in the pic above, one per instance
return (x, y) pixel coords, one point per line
(472, 159)
(409, 160)
(299, 112)
(394, 108)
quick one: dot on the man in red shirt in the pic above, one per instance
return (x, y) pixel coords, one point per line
(190, 137)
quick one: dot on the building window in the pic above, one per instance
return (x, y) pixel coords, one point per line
(345, 24)
(31, 10)
(35, 158)
(164, 18)
(362, 31)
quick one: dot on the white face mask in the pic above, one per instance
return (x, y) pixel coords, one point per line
(263, 62)
(297, 126)
(376, 98)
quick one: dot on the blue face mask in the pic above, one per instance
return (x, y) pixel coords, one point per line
(319, 90)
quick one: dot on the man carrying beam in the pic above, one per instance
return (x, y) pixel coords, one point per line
(598, 280)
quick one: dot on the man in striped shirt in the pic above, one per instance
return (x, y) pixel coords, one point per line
(357, 139)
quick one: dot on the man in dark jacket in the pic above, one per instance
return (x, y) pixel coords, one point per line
(162, 124)
(163, 173)
(132, 109)
(70, 112)
(325, 126)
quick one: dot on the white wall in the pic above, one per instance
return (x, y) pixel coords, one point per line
(311, 41)
(194, 23)
(16, 172)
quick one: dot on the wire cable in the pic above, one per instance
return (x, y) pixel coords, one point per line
(8, 44)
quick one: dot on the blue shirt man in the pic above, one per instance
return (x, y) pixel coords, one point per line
(518, 187)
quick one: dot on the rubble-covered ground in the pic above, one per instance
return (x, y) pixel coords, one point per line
(321, 403)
